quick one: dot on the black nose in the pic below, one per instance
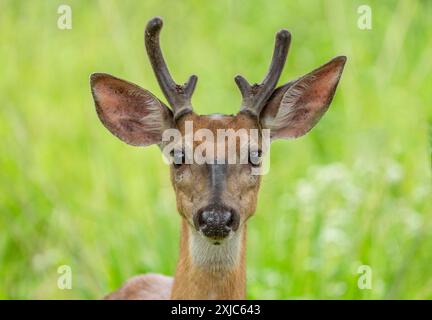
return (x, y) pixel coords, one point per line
(216, 221)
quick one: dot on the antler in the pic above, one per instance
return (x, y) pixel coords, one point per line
(255, 96)
(178, 96)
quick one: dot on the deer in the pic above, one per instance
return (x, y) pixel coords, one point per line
(214, 199)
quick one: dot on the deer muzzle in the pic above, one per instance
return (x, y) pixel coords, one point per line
(216, 221)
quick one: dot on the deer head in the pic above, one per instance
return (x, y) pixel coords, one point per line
(215, 198)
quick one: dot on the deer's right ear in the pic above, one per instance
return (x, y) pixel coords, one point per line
(129, 112)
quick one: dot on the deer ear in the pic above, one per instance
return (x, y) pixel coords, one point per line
(129, 112)
(295, 108)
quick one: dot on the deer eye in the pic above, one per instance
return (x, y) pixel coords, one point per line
(255, 158)
(178, 158)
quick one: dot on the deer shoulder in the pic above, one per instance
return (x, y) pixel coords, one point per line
(144, 287)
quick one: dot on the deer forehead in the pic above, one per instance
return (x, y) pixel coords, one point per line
(213, 122)
(228, 133)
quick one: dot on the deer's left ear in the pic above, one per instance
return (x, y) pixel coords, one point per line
(294, 108)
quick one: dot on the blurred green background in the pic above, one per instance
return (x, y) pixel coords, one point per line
(355, 191)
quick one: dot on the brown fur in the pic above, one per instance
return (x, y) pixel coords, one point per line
(144, 287)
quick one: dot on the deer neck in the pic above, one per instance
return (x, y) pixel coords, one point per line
(208, 271)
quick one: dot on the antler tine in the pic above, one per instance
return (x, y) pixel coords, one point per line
(178, 96)
(255, 96)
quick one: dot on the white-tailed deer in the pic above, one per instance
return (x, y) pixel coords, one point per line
(215, 199)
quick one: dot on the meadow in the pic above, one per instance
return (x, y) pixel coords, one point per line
(355, 191)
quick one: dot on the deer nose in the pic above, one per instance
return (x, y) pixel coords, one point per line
(216, 221)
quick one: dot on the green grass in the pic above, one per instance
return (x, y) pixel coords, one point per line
(355, 191)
